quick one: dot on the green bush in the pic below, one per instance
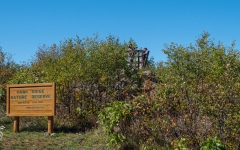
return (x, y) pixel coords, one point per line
(110, 118)
(212, 144)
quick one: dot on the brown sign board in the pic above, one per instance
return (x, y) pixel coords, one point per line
(31, 99)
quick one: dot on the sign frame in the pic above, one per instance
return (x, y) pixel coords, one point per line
(39, 87)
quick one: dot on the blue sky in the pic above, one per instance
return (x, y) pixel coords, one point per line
(27, 24)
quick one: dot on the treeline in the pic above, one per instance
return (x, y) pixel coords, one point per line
(190, 101)
(88, 72)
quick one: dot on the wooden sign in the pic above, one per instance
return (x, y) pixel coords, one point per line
(31, 99)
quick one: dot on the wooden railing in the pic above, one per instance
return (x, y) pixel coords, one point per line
(139, 60)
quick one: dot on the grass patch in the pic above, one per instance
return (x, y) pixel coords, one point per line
(94, 139)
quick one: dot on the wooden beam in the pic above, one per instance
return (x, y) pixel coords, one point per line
(136, 51)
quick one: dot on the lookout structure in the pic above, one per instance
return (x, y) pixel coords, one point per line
(137, 58)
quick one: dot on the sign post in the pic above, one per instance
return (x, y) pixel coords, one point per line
(16, 125)
(31, 100)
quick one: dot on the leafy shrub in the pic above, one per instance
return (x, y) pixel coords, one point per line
(212, 144)
(110, 117)
(179, 144)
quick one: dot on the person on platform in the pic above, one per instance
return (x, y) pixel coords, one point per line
(143, 57)
(131, 52)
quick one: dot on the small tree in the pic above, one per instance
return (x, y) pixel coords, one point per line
(8, 68)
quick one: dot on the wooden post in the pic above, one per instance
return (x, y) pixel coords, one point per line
(16, 125)
(138, 59)
(50, 124)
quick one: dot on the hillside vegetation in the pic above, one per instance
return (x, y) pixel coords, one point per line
(191, 101)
